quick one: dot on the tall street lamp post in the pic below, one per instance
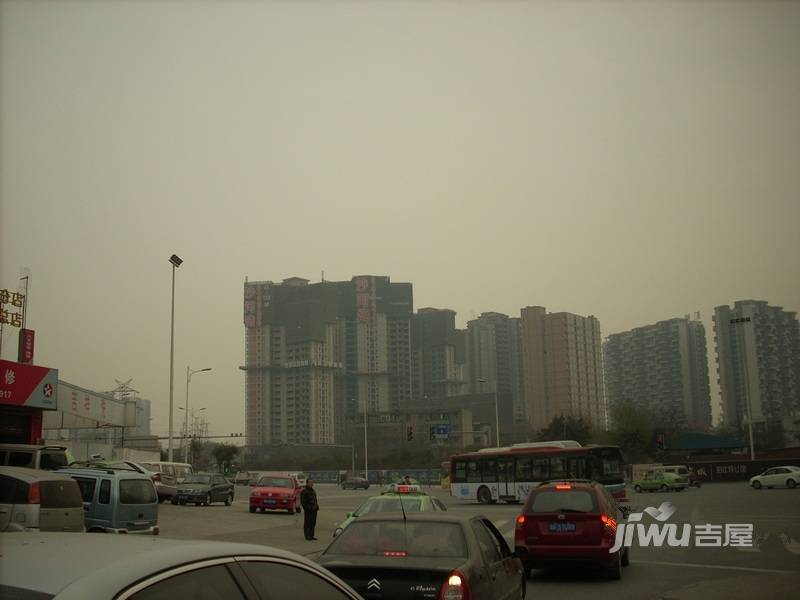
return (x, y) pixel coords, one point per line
(496, 415)
(176, 261)
(189, 374)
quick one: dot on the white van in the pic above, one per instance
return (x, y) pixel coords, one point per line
(174, 471)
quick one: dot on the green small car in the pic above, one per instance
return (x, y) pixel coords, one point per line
(658, 480)
(412, 501)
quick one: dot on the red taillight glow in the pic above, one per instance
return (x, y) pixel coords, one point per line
(34, 493)
(395, 553)
(609, 523)
(563, 486)
(455, 588)
(156, 530)
(520, 520)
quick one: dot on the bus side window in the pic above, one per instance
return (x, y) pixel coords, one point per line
(558, 468)
(489, 470)
(473, 472)
(460, 472)
(524, 469)
(577, 467)
(540, 469)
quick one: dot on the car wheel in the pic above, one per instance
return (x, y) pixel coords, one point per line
(291, 509)
(791, 483)
(229, 500)
(207, 501)
(175, 501)
(637, 489)
(484, 495)
(297, 508)
(626, 557)
(252, 509)
(664, 487)
(614, 572)
(344, 487)
(757, 485)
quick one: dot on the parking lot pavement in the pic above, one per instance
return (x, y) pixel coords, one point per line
(771, 565)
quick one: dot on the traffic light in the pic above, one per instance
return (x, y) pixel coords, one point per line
(410, 433)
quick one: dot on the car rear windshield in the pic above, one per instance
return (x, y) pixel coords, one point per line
(553, 501)
(50, 461)
(417, 539)
(60, 494)
(198, 479)
(390, 505)
(275, 482)
(137, 491)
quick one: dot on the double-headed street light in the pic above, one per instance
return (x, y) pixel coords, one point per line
(189, 374)
(496, 414)
(175, 261)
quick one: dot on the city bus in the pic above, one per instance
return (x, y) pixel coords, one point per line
(508, 474)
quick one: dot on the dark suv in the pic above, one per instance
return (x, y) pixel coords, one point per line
(572, 523)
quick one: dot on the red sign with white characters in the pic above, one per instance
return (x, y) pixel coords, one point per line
(28, 385)
(26, 337)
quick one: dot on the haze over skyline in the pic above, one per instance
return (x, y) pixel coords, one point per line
(634, 161)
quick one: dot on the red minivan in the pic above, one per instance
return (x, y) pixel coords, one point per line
(570, 523)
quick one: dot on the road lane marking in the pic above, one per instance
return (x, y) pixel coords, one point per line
(662, 563)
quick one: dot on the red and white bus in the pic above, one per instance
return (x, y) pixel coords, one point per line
(508, 474)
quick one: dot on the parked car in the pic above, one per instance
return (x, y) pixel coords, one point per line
(243, 478)
(426, 555)
(684, 471)
(69, 566)
(47, 458)
(117, 501)
(175, 470)
(275, 492)
(355, 483)
(571, 523)
(165, 484)
(408, 498)
(203, 489)
(788, 476)
(41, 500)
(657, 480)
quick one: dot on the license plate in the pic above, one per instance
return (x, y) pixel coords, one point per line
(270, 501)
(562, 527)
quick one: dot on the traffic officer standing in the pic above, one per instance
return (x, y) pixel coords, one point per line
(308, 500)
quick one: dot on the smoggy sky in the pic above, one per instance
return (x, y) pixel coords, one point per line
(636, 161)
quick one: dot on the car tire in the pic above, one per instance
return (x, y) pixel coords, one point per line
(175, 501)
(637, 489)
(791, 484)
(756, 485)
(664, 487)
(344, 487)
(252, 509)
(291, 510)
(207, 501)
(484, 495)
(626, 557)
(229, 500)
(297, 508)
(614, 572)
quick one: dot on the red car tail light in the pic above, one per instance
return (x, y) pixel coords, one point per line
(156, 530)
(563, 486)
(609, 524)
(455, 587)
(395, 553)
(520, 521)
(34, 493)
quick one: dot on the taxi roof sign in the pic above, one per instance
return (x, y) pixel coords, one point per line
(407, 489)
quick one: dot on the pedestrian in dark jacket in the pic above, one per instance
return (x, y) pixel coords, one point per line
(308, 500)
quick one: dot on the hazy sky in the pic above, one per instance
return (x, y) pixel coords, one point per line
(636, 161)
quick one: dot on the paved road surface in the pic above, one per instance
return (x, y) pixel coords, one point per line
(771, 568)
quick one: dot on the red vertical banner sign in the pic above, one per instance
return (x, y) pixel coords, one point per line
(26, 339)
